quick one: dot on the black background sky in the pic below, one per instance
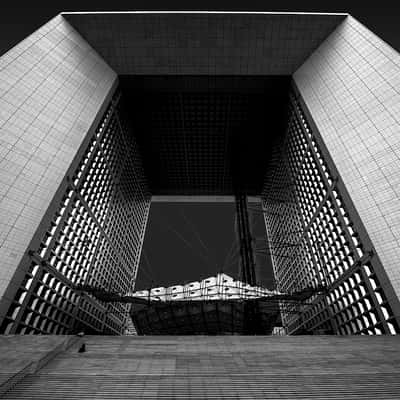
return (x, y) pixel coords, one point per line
(19, 19)
(189, 241)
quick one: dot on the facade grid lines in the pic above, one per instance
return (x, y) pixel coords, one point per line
(349, 87)
(86, 242)
(328, 249)
(100, 111)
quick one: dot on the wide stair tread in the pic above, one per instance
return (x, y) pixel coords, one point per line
(219, 368)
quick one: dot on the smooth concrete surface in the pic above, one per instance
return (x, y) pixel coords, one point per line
(224, 367)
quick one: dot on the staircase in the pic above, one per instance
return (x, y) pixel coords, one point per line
(228, 367)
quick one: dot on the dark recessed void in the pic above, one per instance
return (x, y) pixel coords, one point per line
(202, 135)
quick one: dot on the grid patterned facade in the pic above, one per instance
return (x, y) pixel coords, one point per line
(315, 240)
(204, 43)
(94, 237)
(190, 130)
(350, 87)
(74, 201)
(53, 87)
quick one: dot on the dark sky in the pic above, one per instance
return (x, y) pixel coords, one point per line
(190, 241)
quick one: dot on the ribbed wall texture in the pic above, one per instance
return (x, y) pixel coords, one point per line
(350, 86)
(52, 86)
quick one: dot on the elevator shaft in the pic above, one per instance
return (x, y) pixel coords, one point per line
(247, 262)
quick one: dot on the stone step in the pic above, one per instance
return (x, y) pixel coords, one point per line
(219, 368)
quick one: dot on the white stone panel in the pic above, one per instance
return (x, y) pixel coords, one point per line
(52, 86)
(351, 86)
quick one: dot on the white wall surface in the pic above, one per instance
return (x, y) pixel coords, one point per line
(351, 86)
(52, 86)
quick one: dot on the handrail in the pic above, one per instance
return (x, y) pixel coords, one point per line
(17, 377)
(57, 350)
(35, 366)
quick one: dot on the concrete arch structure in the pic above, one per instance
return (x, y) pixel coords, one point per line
(102, 111)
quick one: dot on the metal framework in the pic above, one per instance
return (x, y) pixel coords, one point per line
(94, 234)
(315, 238)
(247, 272)
(249, 313)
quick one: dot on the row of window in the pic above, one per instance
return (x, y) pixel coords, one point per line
(90, 239)
(313, 241)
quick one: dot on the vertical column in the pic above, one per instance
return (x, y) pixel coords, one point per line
(247, 273)
(53, 90)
